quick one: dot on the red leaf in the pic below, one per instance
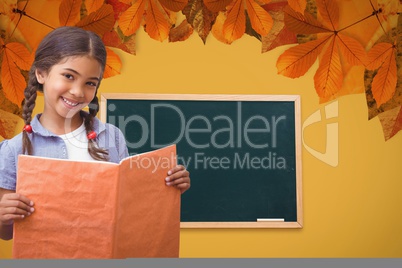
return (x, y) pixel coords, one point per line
(118, 7)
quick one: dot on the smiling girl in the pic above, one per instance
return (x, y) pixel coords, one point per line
(68, 69)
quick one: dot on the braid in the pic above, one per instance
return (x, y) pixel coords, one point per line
(93, 148)
(29, 104)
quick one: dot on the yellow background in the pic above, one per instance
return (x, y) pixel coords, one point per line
(352, 210)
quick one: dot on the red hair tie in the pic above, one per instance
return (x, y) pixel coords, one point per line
(91, 135)
(27, 128)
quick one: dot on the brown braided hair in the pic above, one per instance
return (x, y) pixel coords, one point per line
(63, 42)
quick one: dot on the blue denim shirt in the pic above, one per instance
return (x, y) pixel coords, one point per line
(47, 144)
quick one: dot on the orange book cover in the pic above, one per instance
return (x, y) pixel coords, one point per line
(96, 209)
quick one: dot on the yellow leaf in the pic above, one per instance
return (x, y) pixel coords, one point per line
(113, 64)
(69, 12)
(235, 24)
(93, 5)
(100, 21)
(20, 55)
(12, 80)
(157, 21)
(296, 61)
(328, 78)
(298, 5)
(174, 5)
(130, 20)
(384, 83)
(217, 5)
(353, 51)
(260, 19)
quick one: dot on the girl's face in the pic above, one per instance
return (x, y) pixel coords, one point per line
(69, 86)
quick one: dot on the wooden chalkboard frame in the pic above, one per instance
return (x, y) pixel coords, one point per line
(223, 97)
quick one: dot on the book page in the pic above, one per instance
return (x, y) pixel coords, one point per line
(148, 219)
(96, 209)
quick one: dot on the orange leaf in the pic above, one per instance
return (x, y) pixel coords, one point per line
(217, 5)
(298, 5)
(306, 24)
(353, 51)
(384, 83)
(92, 5)
(113, 64)
(235, 24)
(19, 54)
(100, 21)
(157, 22)
(328, 78)
(181, 32)
(12, 80)
(130, 20)
(69, 12)
(260, 19)
(378, 54)
(8, 122)
(329, 12)
(296, 61)
(174, 5)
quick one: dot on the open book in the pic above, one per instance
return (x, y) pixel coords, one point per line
(99, 209)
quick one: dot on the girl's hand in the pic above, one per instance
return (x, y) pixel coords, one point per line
(14, 206)
(178, 177)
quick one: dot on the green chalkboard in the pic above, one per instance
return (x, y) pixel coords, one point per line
(242, 151)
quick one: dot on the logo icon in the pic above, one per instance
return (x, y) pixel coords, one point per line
(330, 156)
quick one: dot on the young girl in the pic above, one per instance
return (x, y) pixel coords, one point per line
(68, 69)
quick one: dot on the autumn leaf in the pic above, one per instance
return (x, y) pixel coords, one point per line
(369, 75)
(174, 5)
(391, 122)
(130, 20)
(217, 28)
(8, 122)
(69, 12)
(93, 5)
(328, 78)
(335, 46)
(156, 14)
(217, 5)
(119, 6)
(303, 24)
(296, 61)
(181, 32)
(279, 34)
(15, 57)
(117, 39)
(235, 24)
(298, 5)
(200, 17)
(383, 56)
(99, 21)
(113, 64)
